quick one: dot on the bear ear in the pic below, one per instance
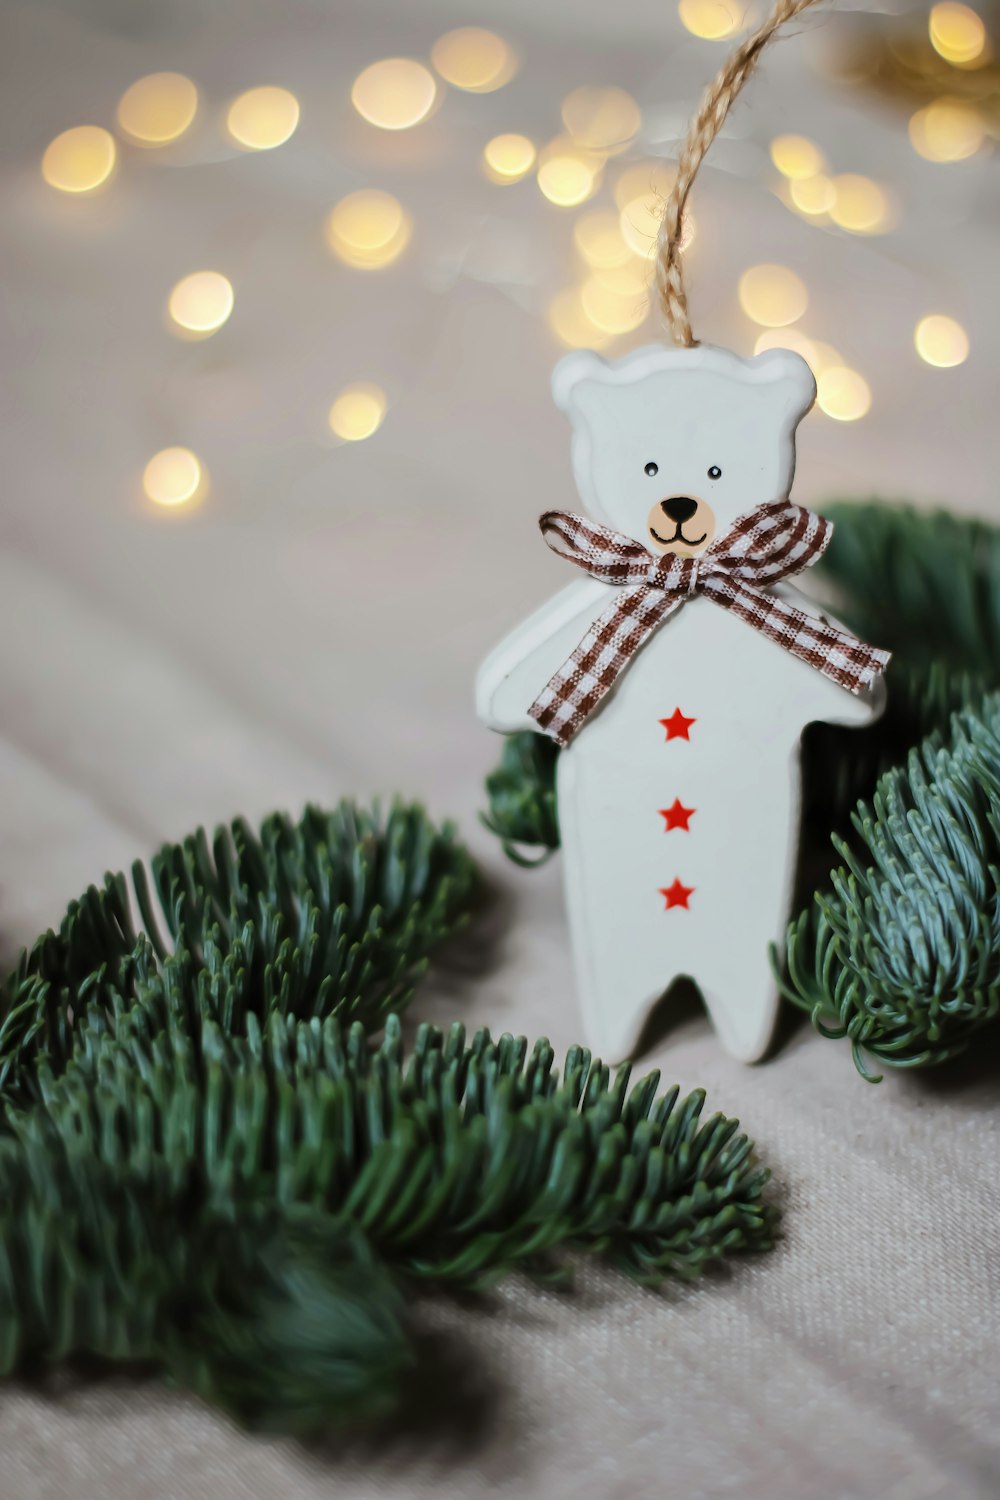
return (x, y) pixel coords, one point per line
(573, 368)
(790, 371)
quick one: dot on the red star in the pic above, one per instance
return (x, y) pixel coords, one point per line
(677, 816)
(677, 726)
(677, 895)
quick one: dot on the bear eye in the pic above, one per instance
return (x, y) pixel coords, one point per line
(652, 469)
(715, 472)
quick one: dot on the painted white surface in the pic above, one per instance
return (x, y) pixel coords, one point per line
(687, 411)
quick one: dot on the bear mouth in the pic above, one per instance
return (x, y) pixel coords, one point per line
(678, 536)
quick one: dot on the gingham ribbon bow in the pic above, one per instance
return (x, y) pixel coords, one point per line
(767, 544)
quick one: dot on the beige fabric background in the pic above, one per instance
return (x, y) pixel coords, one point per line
(157, 670)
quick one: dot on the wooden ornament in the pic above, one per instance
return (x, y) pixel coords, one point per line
(679, 797)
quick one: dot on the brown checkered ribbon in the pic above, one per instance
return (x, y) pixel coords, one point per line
(767, 544)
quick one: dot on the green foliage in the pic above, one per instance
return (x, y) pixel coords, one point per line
(206, 1166)
(902, 955)
(522, 797)
(926, 585)
(459, 1163)
(333, 915)
(285, 1320)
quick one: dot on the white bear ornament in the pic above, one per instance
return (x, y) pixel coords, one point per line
(679, 677)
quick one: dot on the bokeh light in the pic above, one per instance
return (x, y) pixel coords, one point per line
(817, 355)
(796, 156)
(263, 118)
(508, 158)
(568, 175)
(859, 205)
(940, 341)
(843, 394)
(357, 412)
(957, 33)
(710, 19)
(813, 196)
(368, 229)
(605, 120)
(598, 239)
(772, 295)
(158, 109)
(79, 160)
(475, 60)
(571, 325)
(173, 477)
(201, 303)
(394, 94)
(610, 310)
(947, 130)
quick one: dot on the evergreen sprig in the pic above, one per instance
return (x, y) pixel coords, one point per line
(902, 955)
(335, 914)
(460, 1163)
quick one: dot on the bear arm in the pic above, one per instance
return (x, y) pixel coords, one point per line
(516, 670)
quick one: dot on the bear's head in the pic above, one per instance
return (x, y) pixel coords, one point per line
(671, 445)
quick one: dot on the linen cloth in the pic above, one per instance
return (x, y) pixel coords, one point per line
(161, 669)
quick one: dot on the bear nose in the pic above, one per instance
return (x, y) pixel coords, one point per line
(679, 508)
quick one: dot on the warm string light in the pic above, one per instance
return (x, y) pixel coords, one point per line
(850, 201)
(80, 160)
(262, 118)
(567, 175)
(957, 32)
(368, 229)
(201, 302)
(174, 476)
(508, 158)
(602, 120)
(474, 60)
(395, 93)
(712, 20)
(947, 130)
(158, 109)
(941, 341)
(772, 295)
(843, 394)
(358, 412)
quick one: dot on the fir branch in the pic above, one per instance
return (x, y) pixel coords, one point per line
(902, 955)
(459, 1163)
(926, 585)
(522, 797)
(335, 914)
(283, 1319)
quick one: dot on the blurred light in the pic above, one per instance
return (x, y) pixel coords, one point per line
(598, 238)
(813, 196)
(473, 59)
(647, 179)
(957, 33)
(568, 175)
(947, 130)
(639, 222)
(610, 310)
(79, 160)
(796, 156)
(508, 158)
(603, 120)
(860, 205)
(201, 302)
(772, 295)
(158, 108)
(357, 412)
(394, 94)
(710, 19)
(843, 394)
(571, 325)
(368, 229)
(818, 356)
(630, 280)
(941, 341)
(172, 477)
(263, 118)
